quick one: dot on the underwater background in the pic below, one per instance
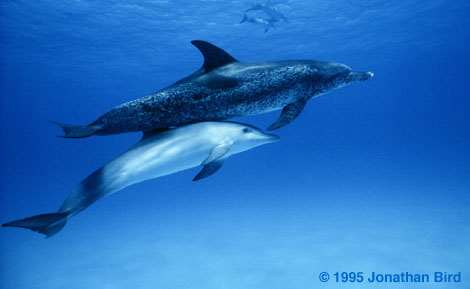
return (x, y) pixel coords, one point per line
(374, 177)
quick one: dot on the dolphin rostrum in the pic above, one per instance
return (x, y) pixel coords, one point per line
(225, 88)
(206, 143)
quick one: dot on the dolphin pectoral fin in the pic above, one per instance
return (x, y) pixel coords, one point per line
(289, 113)
(213, 56)
(209, 169)
(217, 153)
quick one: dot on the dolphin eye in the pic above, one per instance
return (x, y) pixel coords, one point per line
(246, 130)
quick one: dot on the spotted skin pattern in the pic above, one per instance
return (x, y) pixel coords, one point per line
(224, 88)
(233, 90)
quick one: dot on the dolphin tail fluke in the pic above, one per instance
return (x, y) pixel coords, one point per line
(77, 131)
(245, 18)
(47, 224)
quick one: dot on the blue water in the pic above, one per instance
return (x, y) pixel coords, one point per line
(374, 177)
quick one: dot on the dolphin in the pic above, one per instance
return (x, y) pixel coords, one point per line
(224, 88)
(206, 143)
(272, 11)
(267, 23)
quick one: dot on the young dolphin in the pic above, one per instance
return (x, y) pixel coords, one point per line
(207, 143)
(225, 88)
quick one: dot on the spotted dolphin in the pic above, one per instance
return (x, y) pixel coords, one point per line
(206, 143)
(224, 88)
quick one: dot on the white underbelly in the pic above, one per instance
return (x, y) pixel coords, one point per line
(143, 165)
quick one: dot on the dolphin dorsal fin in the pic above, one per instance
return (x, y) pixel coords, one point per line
(213, 56)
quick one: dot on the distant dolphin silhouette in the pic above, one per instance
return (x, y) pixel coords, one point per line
(206, 143)
(225, 88)
(267, 23)
(272, 11)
